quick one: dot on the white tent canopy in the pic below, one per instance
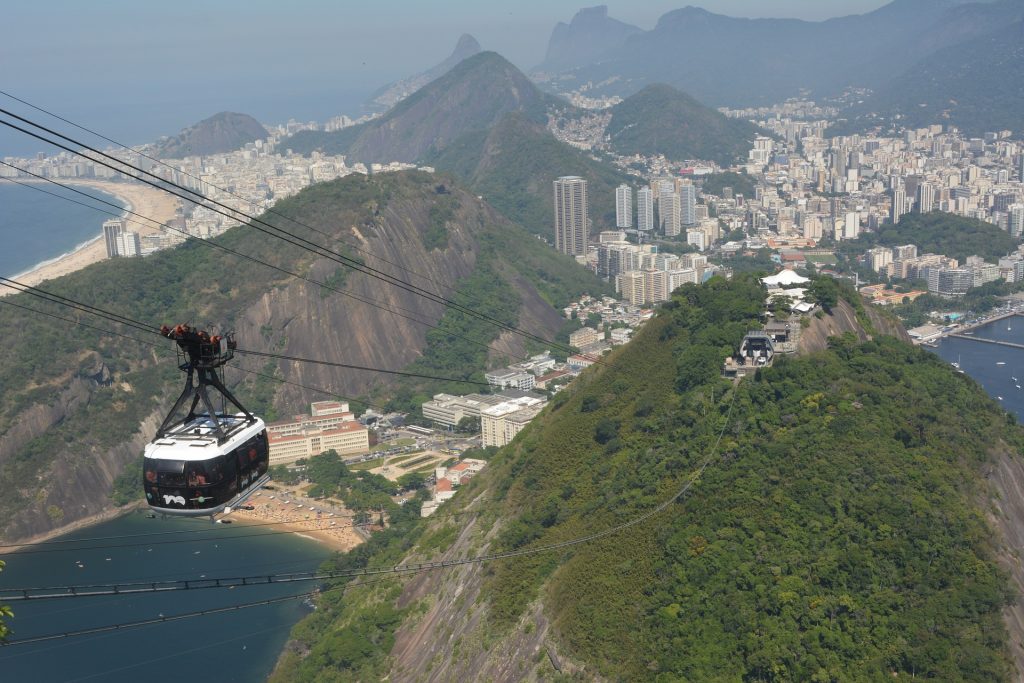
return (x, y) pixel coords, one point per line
(785, 278)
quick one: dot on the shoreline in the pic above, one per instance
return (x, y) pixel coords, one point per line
(292, 511)
(149, 202)
(270, 507)
(77, 525)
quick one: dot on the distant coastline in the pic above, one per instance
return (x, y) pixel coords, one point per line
(146, 201)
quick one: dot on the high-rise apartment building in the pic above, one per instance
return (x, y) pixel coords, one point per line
(624, 206)
(129, 244)
(899, 204)
(669, 211)
(645, 209)
(112, 230)
(1015, 220)
(571, 221)
(688, 205)
(925, 198)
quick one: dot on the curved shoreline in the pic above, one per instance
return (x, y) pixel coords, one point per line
(151, 203)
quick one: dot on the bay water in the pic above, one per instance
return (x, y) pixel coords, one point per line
(226, 647)
(37, 227)
(999, 369)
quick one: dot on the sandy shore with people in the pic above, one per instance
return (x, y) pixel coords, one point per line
(288, 509)
(142, 199)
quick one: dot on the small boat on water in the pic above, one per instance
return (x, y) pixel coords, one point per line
(1000, 363)
(1000, 398)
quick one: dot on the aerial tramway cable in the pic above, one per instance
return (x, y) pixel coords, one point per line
(270, 210)
(116, 318)
(410, 569)
(388, 308)
(58, 592)
(269, 229)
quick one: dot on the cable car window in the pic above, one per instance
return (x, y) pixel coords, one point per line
(171, 472)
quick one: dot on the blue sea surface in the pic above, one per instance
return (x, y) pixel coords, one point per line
(982, 361)
(37, 227)
(231, 646)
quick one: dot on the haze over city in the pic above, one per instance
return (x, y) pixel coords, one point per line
(149, 69)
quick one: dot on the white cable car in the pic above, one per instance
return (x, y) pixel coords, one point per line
(204, 462)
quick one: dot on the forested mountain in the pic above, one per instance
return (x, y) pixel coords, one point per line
(79, 404)
(829, 527)
(473, 96)
(661, 120)
(724, 60)
(392, 93)
(513, 166)
(223, 132)
(975, 86)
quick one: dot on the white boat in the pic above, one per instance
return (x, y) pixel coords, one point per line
(1000, 363)
(1000, 398)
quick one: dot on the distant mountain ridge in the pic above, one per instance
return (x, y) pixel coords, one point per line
(473, 96)
(729, 61)
(224, 132)
(975, 86)
(590, 33)
(393, 93)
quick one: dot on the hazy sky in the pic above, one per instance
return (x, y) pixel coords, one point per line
(141, 69)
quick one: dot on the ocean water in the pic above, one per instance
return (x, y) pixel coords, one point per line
(981, 361)
(231, 646)
(36, 227)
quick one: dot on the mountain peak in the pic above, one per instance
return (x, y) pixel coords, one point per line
(467, 46)
(225, 131)
(590, 33)
(393, 93)
(472, 96)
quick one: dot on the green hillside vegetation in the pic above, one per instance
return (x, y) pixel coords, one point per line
(195, 282)
(939, 233)
(662, 120)
(514, 165)
(740, 183)
(834, 530)
(473, 96)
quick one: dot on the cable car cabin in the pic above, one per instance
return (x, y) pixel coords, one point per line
(188, 471)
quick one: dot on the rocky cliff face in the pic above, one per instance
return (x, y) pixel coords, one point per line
(289, 316)
(843, 319)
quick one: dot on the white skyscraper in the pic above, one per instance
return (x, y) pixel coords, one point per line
(925, 198)
(128, 244)
(669, 210)
(624, 206)
(645, 209)
(571, 222)
(1015, 220)
(688, 201)
(899, 204)
(112, 231)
